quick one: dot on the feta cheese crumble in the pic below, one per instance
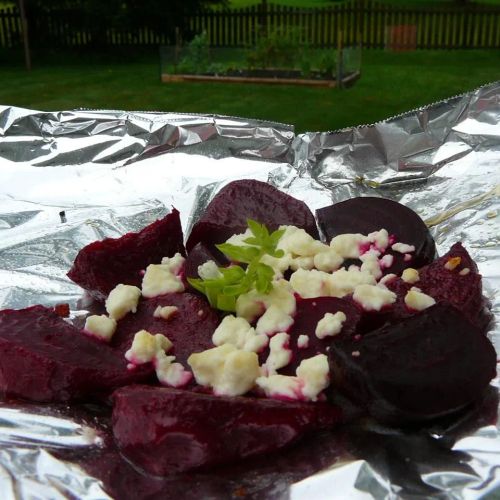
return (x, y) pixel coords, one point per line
(122, 300)
(170, 373)
(160, 279)
(239, 333)
(330, 325)
(273, 320)
(165, 312)
(209, 270)
(101, 326)
(145, 346)
(226, 369)
(373, 298)
(310, 284)
(418, 300)
(464, 272)
(410, 275)
(403, 248)
(302, 341)
(280, 354)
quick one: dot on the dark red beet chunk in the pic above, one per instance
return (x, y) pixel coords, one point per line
(309, 312)
(102, 265)
(43, 358)
(425, 366)
(189, 329)
(368, 214)
(228, 212)
(200, 254)
(165, 431)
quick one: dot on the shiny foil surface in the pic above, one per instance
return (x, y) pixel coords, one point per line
(68, 178)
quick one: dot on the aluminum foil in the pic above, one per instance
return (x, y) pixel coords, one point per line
(71, 177)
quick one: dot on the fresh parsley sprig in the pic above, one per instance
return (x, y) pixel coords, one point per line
(223, 291)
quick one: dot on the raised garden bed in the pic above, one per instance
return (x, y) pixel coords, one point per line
(267, 76)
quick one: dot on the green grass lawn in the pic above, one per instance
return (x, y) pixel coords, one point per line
(391, 83)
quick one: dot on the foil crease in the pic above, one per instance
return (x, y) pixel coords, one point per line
(71, 177)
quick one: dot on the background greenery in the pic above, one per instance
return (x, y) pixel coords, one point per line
(391, 83)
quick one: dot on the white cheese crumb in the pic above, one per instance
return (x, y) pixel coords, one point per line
(418, 300)
(403, 248)
(464, 272)
(226, 369)
(387, 278)
(145, 347)
(170, 373)
(159, 279)
(238, 332)
(302, 263)
(348, 245)
(281, 387)
(165, 312)
(303, 342)
(328, 260)
(386, 261)
(173, 264)
(238, 239)
(100, 326)
(314, 372)
(410, 275)
(344, 282)
(310, 284)
(280, 354)
(371, 264)
(355, 354)
(298, 242)
(330, 325)
(122, 300)
(380, 238)
(209, 270)
(373, 298)
(273, 320)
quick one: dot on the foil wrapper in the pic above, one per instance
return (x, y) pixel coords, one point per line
(71, 177)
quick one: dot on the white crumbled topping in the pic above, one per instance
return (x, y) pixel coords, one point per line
(298, 242)
(418, 300)
(279, 265)
(281, 386)
(165, 312)
(371, 264)
(415, 289)
(314, 373)
(122, 300)
(145, 346)
(273, 320)
(310, 284)
(328, 260)
(173, 264)
(303, 341)
(330, 325)
(386, 261)
(238, 239)
(464, 272)
(280, 354)
(302, 263)
(344, 282)
(387, 278)
(373, 298)
(355, 354)
(226, 369)
(209, 270)
(238, 332)
(170, 373)
(380, 239)
(100, 326)
(348, 245)
(410, 275)
(160, 279)
(403, 248)
(252, 304)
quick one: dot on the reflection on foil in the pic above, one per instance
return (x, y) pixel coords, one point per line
(110, 172)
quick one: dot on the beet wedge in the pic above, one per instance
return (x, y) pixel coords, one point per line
(190, 328)
(428, 365)
(240, 200)
(43, 358)
(367, 214)
(164, 431)
(102, 265)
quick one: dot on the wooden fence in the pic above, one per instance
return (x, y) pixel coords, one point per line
(374, 25)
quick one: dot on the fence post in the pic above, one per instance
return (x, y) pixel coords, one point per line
(263, 13)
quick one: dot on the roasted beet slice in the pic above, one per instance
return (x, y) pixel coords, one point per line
(43, 358)
(200, 254)
(309, 312)
(228, 212)
(190, 328)
(102, 265)
(367, 214)
(430, 364)
(165, 430)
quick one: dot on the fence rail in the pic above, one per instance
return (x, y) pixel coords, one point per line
(374, 25)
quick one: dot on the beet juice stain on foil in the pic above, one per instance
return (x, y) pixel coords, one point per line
(113, 171)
